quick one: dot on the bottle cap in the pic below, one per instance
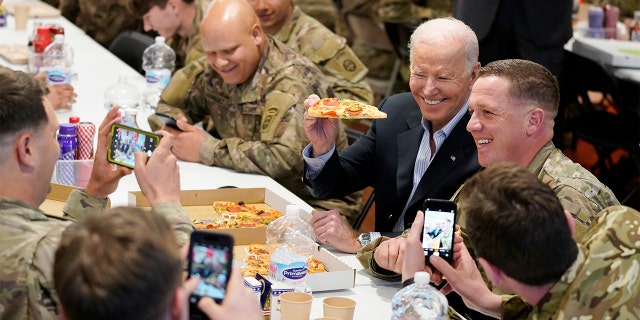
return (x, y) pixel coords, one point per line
(59, 38)
(160, 39)
(74, 119)
(292, 210)
(422, 277)
(67, 128)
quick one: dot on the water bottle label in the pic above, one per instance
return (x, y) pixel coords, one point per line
(158, 78)
(58, 75)
(294, 273)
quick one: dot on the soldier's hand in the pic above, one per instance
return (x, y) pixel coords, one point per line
(159, 176)
(322, 132)
(331, 228)
(390, 254)
(187, 140)
(105, 176)
(62, 96)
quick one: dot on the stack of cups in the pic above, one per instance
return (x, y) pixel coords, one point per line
(86, 131)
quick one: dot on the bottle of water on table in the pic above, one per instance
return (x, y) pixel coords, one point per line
(158, 61)
(419, 301)
(58, 58)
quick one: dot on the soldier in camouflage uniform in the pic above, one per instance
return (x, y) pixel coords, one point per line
(249, 92)
(102, 20)
(176, 20)
(28, 236)
(325, 11)
(341, 67)
(522, 235)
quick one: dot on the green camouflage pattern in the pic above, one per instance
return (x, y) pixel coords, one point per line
(603, 282)
(339, 64)
(102, 20)
(326, 12)
(256, 127)
(190, 49)
(28, 241)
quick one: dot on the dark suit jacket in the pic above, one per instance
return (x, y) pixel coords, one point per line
(385, 156)
(548, 21)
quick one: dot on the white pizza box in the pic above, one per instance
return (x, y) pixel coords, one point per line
(56, 199)
(616, 53)
(199, 205)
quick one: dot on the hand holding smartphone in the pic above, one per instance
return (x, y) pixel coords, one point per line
(438, 231)
(210, 258)
(168, 120)
(125, 141)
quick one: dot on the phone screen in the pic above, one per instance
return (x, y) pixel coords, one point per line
(125, 141)
(210, 259)
(437, 234)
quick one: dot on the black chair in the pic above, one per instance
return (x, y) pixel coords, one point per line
(608, 124)
(129, 46)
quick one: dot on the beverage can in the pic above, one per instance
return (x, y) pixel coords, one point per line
(596, 17)
(85, 131)
(68, 141)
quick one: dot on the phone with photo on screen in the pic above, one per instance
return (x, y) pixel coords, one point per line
(438, 231)
(125, 141)
(210, 259)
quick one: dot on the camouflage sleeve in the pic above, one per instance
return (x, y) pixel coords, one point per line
(183, 95)
(278, 152)
(179, 220)
(79, 203)
(365, 256)
(348, 74)
(514, 307)
(581, 207)
(195, 50)
(401, 11)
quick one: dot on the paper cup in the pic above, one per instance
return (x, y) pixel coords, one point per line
(339, 307)
(295, 305)
(21, 14)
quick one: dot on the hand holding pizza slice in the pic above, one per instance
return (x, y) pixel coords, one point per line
(344, 109)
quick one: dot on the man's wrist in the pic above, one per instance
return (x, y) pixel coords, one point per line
(366, 237)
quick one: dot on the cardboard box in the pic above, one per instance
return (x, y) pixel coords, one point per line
(56, 199)
(198, 204)
(611, 52)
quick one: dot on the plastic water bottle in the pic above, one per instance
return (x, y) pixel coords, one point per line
(294, 242)
(158, 60)
(419, 301)
(123, 94)
(58, 58)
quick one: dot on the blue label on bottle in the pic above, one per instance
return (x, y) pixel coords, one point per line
(58, 75)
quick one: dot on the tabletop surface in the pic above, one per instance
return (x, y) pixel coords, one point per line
(95, 69)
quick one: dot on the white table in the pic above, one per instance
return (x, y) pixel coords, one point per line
(97, 68)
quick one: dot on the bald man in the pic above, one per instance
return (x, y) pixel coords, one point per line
(249, 92)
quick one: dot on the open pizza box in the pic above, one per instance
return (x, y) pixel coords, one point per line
(199, 205)
(56, 199)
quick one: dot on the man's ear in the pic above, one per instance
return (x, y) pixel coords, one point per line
(257, 33)
(177, 307)
(535, 120)
(61, 312)
(493, 273)
(25, 150)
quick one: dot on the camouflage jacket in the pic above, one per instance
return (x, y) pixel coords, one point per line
(190, 49)
(102, 20)
(603, 281)
(398, 11)
(28, 241)
(330, 52)
(256, 127)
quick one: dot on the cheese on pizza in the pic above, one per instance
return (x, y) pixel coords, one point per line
(238, 215)
(344, 109)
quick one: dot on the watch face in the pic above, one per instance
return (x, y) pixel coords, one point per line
(364, 238)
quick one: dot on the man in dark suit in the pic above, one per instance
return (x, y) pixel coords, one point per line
(422, 150)
(534, 30)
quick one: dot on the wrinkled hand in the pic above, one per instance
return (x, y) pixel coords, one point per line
(331, 228)
(390, 253)
(186, 144)
(464, 277)
(322, 132)
(159, 176)
(62, 96)
(239, 303)
(104, 175)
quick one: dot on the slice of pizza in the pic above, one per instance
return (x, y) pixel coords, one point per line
(344, 109)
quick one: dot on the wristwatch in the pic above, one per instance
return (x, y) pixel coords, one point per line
(364, 238)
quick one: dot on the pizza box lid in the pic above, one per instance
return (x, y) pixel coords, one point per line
(339, 275)
(56, 199)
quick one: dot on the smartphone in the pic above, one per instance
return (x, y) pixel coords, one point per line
(439, 224)
(168, 120)
(125, 141)
(210, 258)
